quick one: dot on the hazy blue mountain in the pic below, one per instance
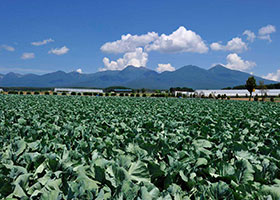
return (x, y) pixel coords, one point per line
(135, 77)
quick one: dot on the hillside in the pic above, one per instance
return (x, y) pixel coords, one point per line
(135, 77)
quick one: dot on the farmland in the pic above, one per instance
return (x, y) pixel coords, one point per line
(79, 147)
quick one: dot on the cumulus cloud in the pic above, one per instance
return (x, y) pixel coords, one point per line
(250, 35)
(129, 43)
(165, 67)
(235, 62)
(26, 56)
(235, 45)
(7, 47)
(264, 32)
(39, 43)
(79, 71)
(138, 58)
(273, 76)
(181, 40)
(59, 51)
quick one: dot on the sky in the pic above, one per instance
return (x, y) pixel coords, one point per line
(88, 36)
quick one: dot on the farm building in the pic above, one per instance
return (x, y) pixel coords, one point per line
(231, 93)
(78, 90)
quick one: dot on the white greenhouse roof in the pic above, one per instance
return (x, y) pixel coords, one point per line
(77, 90)
(269, 92)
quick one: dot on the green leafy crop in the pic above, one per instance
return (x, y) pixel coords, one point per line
(58, 147)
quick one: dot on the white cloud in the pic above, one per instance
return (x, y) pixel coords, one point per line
(250, 35)
(79, 70)
(267, 30)
(236, 63)
(216, 46)
(181, 40)
(26, 56)
(7, 47)
(59, 51)
(165, 67)
(235, 45)
(265, 37)
(264, 32)
(39, 43)
(273, 76)
(138, 58)
(129, 43)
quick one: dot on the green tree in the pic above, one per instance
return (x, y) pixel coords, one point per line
(263, 88)
(251, 85)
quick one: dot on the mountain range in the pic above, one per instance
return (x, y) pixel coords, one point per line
(135, 77)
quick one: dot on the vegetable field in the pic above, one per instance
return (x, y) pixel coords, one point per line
(56, 147)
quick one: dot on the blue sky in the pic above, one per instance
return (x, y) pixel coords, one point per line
(43, 36)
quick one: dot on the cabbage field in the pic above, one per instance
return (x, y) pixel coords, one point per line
(59, 147)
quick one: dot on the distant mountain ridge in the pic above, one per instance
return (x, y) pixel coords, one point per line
(135, 77)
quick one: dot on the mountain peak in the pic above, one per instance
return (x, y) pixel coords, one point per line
(12, 74)
(133, 68)
(189, 67)
(219, 68)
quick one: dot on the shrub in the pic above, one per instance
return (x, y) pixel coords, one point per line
(224, 96)
(132, 95)
(113, 94)
(256, 98)
(36, 93)
(219, 96)
(73, 93)
(21, 93)
(106, 94)
(47, 93)
(63, 93)
(272, 99)
(137, 95)
(144, 95)
(28, 93)
(79, 94)
(228, 98)
(179, 94)
(210, 96)
(101, 94)
(237, 96)
(95, 94)
(54, 93)
(121, 94)
(126, 94)
(12, 92)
